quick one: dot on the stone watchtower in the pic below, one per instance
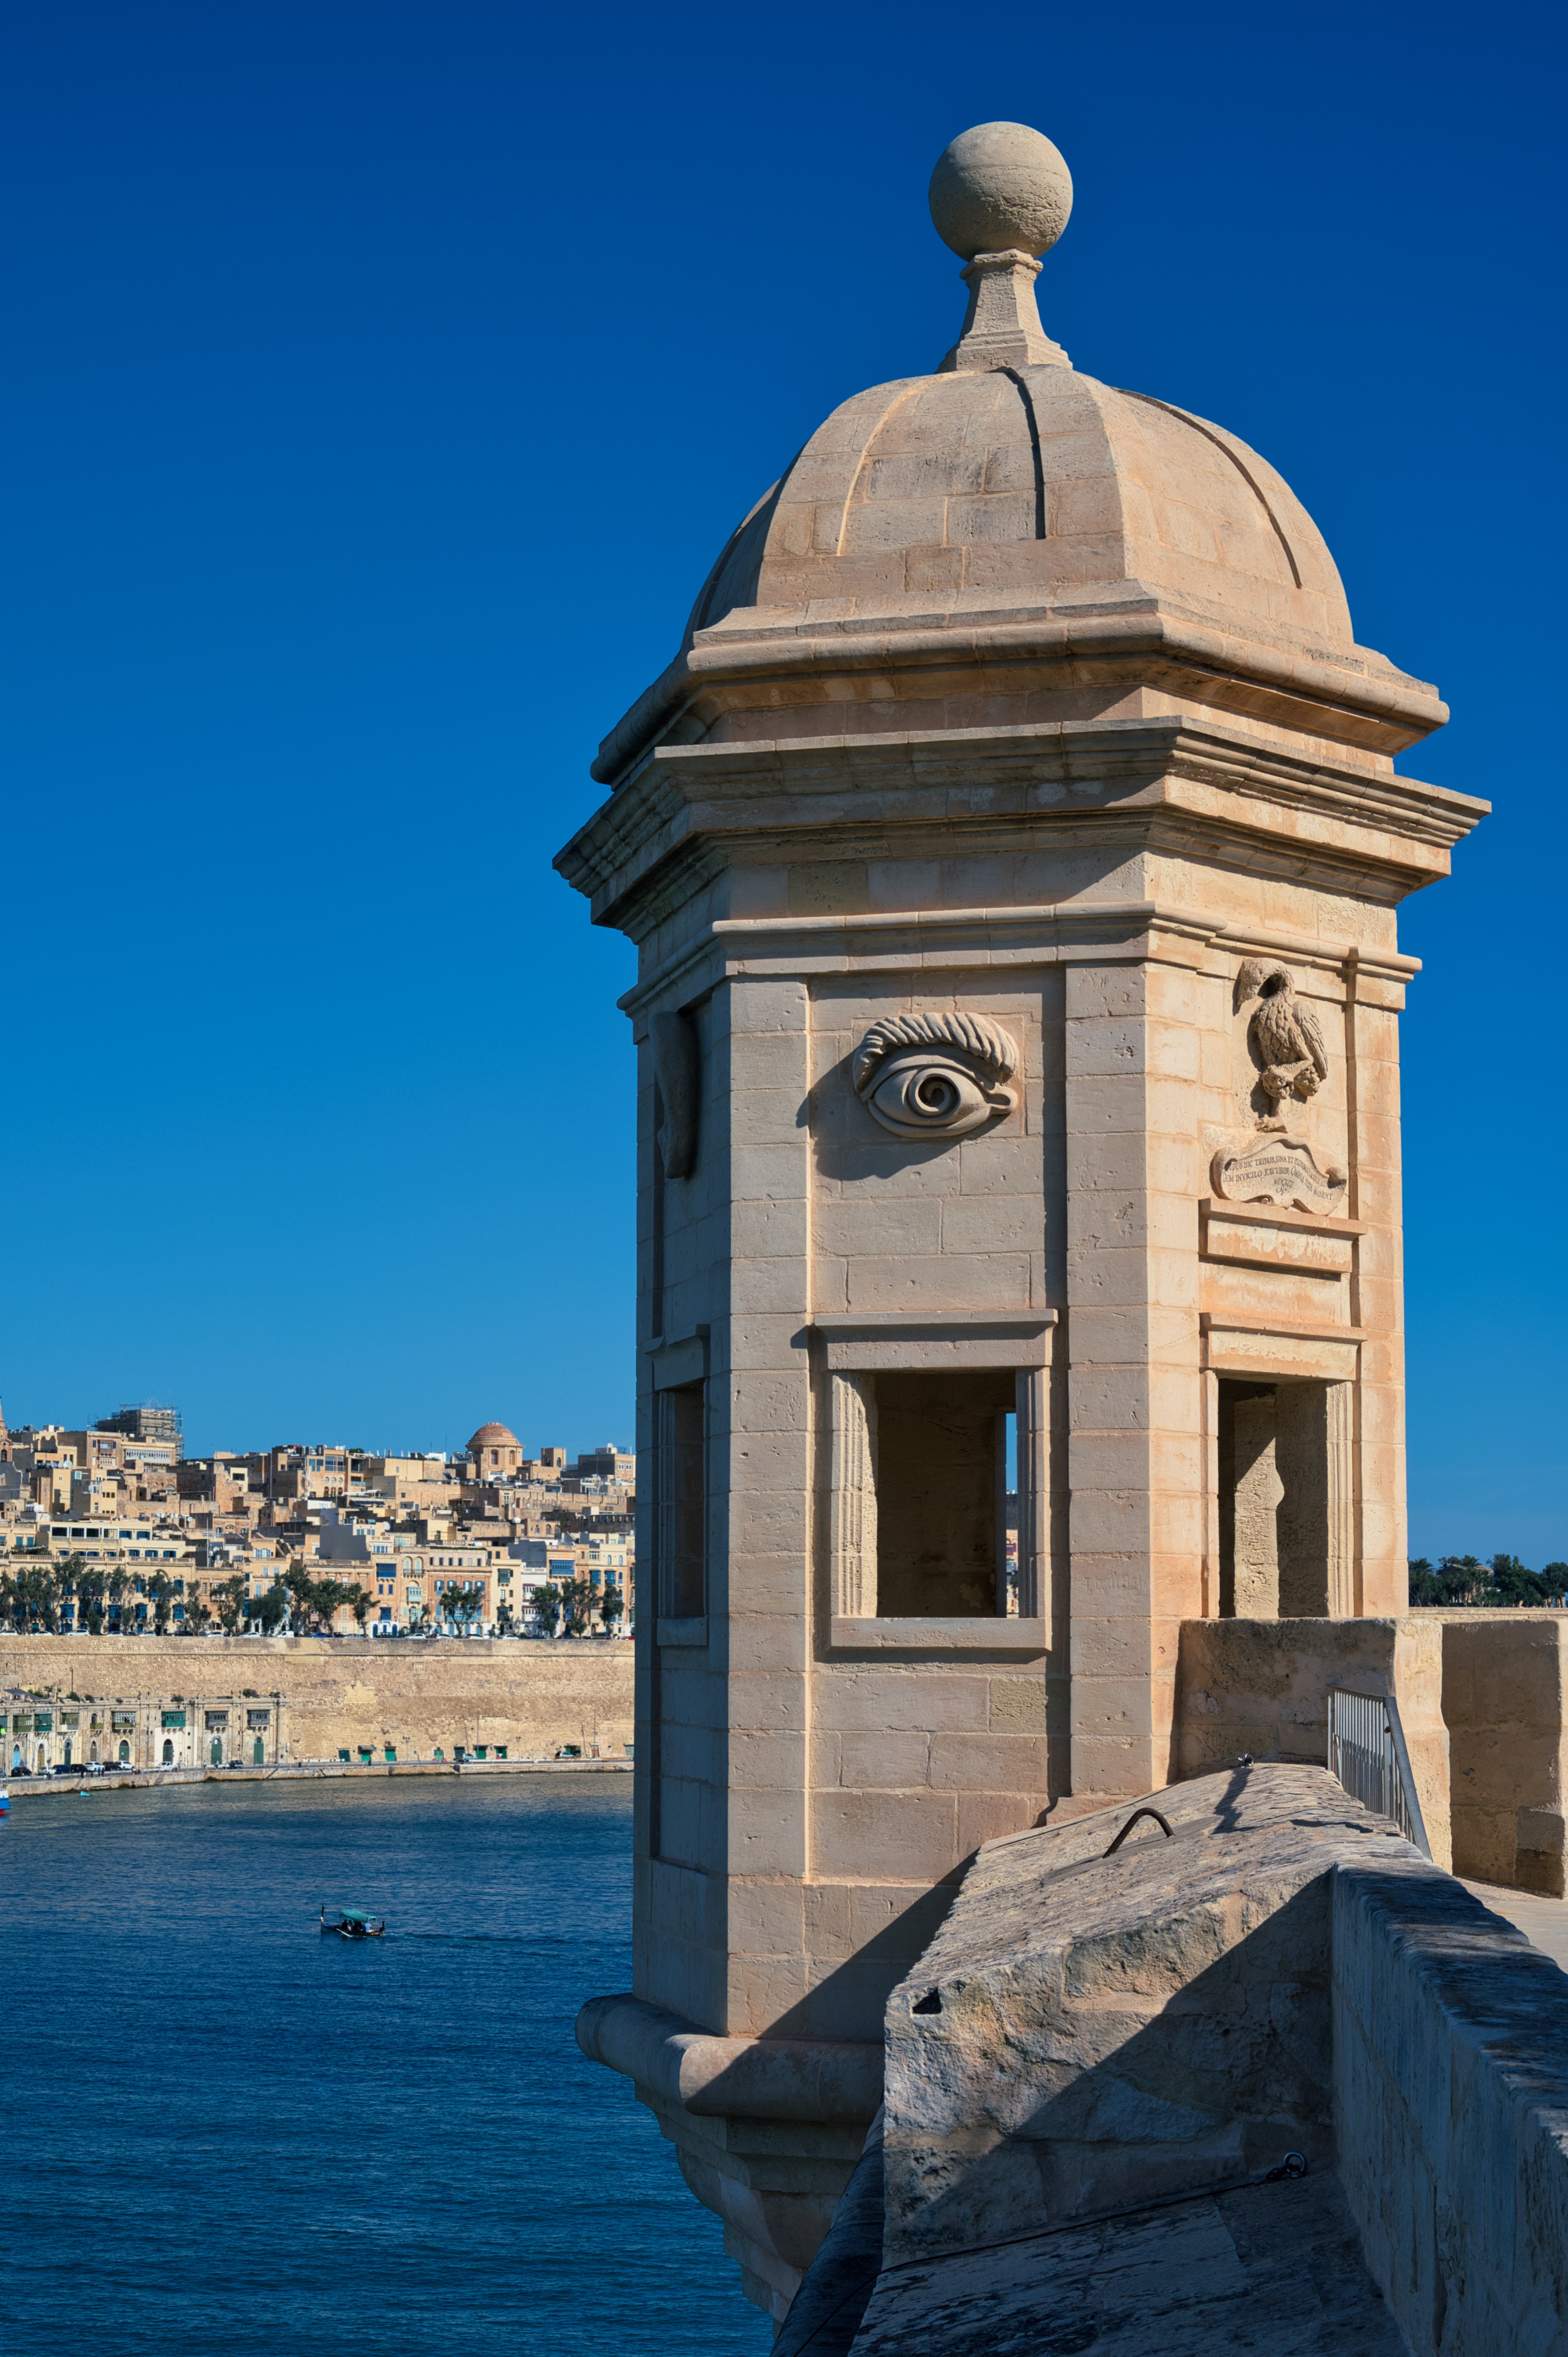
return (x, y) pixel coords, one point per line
(1013, 851)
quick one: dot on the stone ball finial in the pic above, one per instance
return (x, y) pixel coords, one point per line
(1000, 187)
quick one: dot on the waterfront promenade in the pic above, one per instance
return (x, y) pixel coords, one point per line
(235, 1704)
(34, 1788)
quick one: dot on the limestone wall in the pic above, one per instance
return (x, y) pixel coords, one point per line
(1261, 1687)
(1451, 2091)
(333, 1693)
(1505, 1685)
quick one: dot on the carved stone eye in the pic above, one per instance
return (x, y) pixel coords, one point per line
(938, 1073)
(926, 1095)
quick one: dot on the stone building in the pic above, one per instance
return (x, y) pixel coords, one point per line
(1012, 850)
(496, 1453)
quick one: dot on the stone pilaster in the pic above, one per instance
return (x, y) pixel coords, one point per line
(1136, 1448)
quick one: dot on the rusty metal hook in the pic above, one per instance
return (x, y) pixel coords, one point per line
(1132, 1821)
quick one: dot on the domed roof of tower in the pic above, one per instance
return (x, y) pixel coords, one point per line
(495, 1435)
(1007, 490)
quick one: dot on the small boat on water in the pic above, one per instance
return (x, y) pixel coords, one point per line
(353, 1924)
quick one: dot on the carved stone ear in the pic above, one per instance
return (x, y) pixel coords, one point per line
(674, 1038)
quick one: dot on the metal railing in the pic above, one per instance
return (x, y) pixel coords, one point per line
(1367, 1752)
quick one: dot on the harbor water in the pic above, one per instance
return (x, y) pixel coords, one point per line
(227, 2132)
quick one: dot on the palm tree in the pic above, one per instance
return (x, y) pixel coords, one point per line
(463, 1604)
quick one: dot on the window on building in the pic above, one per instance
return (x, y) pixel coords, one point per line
(680, 1503)
(921, 1492)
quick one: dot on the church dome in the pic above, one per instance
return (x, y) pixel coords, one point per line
(494, 1436)
(1008, 508)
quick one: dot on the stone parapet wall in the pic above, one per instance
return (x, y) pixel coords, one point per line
(1505, 1683)
(1261, 1687)
(337, 1694)
(1451, 2098)
(1266, 2078)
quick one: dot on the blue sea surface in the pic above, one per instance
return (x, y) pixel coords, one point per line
(225, 2132)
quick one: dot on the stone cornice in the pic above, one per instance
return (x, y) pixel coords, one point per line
(1353, 694)
(1049, 935)
(1371, 829)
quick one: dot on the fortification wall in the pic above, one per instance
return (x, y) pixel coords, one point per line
(325, 1695)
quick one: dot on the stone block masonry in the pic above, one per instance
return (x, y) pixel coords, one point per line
(1012, 852)
(324, 1695)
(1505, 1697)
(1274, 2081)
(1261, 1688)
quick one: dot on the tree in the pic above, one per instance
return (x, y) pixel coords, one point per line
(115, 1584)
(34, 1603)
(71, 1588)
(462, 1604)
(611, 1608)
(317, 1603)
(270, 1609)
(231, 1597)
(1512, 1584)
(1462, 1581)
(547, 1606)
(92, 1589)
(577, 1607)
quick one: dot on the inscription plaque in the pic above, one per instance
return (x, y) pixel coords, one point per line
(1278, 1170)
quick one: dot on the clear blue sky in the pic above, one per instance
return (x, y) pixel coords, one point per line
(380, 381)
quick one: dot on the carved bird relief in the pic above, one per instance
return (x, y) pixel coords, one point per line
(1285, 1034)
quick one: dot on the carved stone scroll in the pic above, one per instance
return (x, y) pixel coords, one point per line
(1279, 1170)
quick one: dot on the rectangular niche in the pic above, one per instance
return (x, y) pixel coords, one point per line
(922, 1413)
(1286, 1499)
(680, 1470)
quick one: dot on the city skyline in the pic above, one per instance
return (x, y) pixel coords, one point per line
(320, 738)
(380, 1445)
